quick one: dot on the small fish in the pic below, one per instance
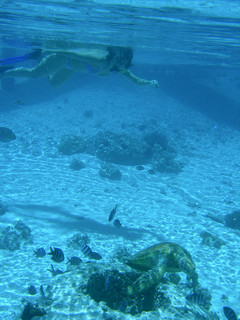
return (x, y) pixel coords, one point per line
(55, 272)
(123, 305)
(196, 298)
(140, 168)
(39, 253)
(112, 213)
(42, 291)
(117, 223)
(74, 261)
(107, 283)
(57, 254)
(95, 256)
(19, 103)
(86, 250)
(32, 290)
(229, 313)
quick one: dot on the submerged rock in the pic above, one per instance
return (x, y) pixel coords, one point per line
(32, 310)
(77, 164)
(167, 298)
(72, 145)
(9, 239)
(121, 148)
(12, 237)
(3, 208)
(126, 149)
(209, 240)
(232, 220)
(6, 134)
(110, 171)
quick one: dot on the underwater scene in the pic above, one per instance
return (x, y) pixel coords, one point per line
(120, 160)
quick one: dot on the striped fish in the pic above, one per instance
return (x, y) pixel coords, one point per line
(95, 256)
(57, 254)
(87, 251)
(39, 253)
(55, 272)
(229, 313)
(42, 291)
(196, 298)
(74, 261)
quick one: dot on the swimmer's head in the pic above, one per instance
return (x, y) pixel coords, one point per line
(119, 58)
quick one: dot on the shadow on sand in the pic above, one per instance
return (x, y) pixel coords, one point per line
(64, 219)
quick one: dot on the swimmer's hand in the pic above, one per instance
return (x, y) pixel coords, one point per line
(154, 83)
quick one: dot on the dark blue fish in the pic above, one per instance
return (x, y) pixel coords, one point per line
(123, 305)
(107, 283)
(74, 261)
(196, 298)
(32, 290)
(57, 254)
(95, 256)
(112, 213)
(39, 253)
(19, 103)
(86, 250)
(55, 272)
(42, 291)
(229, 313)
(117, 223)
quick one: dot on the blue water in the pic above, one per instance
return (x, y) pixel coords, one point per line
(174, 150)
(193, 39)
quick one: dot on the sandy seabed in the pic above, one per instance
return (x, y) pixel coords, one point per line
(57, 202)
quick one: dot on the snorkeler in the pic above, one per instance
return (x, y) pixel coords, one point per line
(60, 65)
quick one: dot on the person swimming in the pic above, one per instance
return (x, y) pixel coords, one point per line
(60, 65)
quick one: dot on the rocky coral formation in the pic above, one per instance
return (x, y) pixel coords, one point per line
(167, 298)
(77, 241)
(76, 164)
(12, 237)
(6, 134)
(121, 148)
(110, 171)
(153, 148)
(72, 145)
(232, 220)
(209, 240)
(3, 208)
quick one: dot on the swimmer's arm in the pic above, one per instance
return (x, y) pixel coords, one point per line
(127, 73)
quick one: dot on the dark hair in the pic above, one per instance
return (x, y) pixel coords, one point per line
(119, 58)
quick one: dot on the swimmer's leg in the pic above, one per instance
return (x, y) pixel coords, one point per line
(47, 66)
